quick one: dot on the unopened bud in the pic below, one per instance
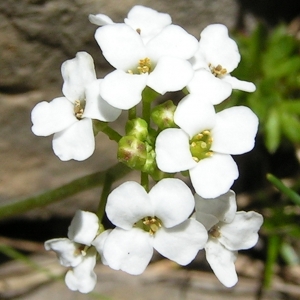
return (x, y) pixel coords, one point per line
(132, 152)
(137, 128)
(163, 115)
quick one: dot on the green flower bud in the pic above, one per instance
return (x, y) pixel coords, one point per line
(137, 128)
(163, 115)
(132, 152)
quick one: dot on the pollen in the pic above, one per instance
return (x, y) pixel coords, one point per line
(79, 109)
(144, 65)
(200, 145)
(218, 70)
(215, 232)
(151, 224)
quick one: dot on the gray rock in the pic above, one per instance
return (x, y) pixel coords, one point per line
(37, 36)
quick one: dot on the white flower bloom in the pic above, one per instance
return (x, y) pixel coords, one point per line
(217, 56)
(147, 21)
(159, 220)
(76, 252)
(160, 64)
(69, 118)
(82, 278)
(229, 231)
(204, 143)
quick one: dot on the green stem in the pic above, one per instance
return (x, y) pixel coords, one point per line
(272, 254)
(108, 181)
(284, 189)
(147, 111)
(106, 129)
(132, 113)
(84, 183)
(145, 181)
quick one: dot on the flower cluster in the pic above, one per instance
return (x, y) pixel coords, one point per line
(151, 57)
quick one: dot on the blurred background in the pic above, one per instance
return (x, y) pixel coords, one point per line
(37, 36)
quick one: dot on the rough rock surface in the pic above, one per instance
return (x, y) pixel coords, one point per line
(36, 36)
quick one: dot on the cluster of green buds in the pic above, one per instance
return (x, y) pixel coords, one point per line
(137, 148)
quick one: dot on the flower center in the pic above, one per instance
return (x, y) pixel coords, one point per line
(215, 232)
(150, 224)
(79, 108)
(200, 145)
(144, 66)
(218, 70)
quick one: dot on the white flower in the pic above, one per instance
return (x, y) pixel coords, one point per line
(160, 64)
(82, 278)
(70, 117)
(147, 21)
(204, 142)
(229, 231)
(218, 55)
(159, 220)
(76, 251)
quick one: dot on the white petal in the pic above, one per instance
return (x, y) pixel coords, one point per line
(84, 227)
(221, 261)
(127, 204)
(218, 48)
(194, 115)
(170, 74)
(173, 41)
(173, 151)
(123, 90)
(76, 142)
(51, 117)
(172, 200)
(182, 242)
(129, 251)
(241, 233)
(67, 251)
(207, 220)
(239, 84)
(223, 208)
(235, 130)
(213, 176)
(96, 107)
(121, 46)
(82, 278)
(100, 19)
(207, 86)
(99, 242)
(77, 73)
(147, 20)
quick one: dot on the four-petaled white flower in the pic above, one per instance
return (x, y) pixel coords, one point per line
(216, 58)
(76, 251)
(228, 231)
(147, 21)
(70, 117)
(161, 63)
(159, 220)
(204, 143)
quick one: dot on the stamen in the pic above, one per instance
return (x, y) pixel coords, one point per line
(79, 109)
(138, 30)
(214, 232)
(218, 70)
(200, 145)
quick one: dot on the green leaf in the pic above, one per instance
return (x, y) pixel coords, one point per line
(272, 131)
(290, 125)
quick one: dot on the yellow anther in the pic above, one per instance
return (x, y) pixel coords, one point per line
(78, 109)
(196, 159)
(203, 145)
(214, 232)
(193, 144)
(218, 70)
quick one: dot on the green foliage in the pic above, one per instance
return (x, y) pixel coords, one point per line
(271, 60)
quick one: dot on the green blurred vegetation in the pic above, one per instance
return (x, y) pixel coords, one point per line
(271, 60)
